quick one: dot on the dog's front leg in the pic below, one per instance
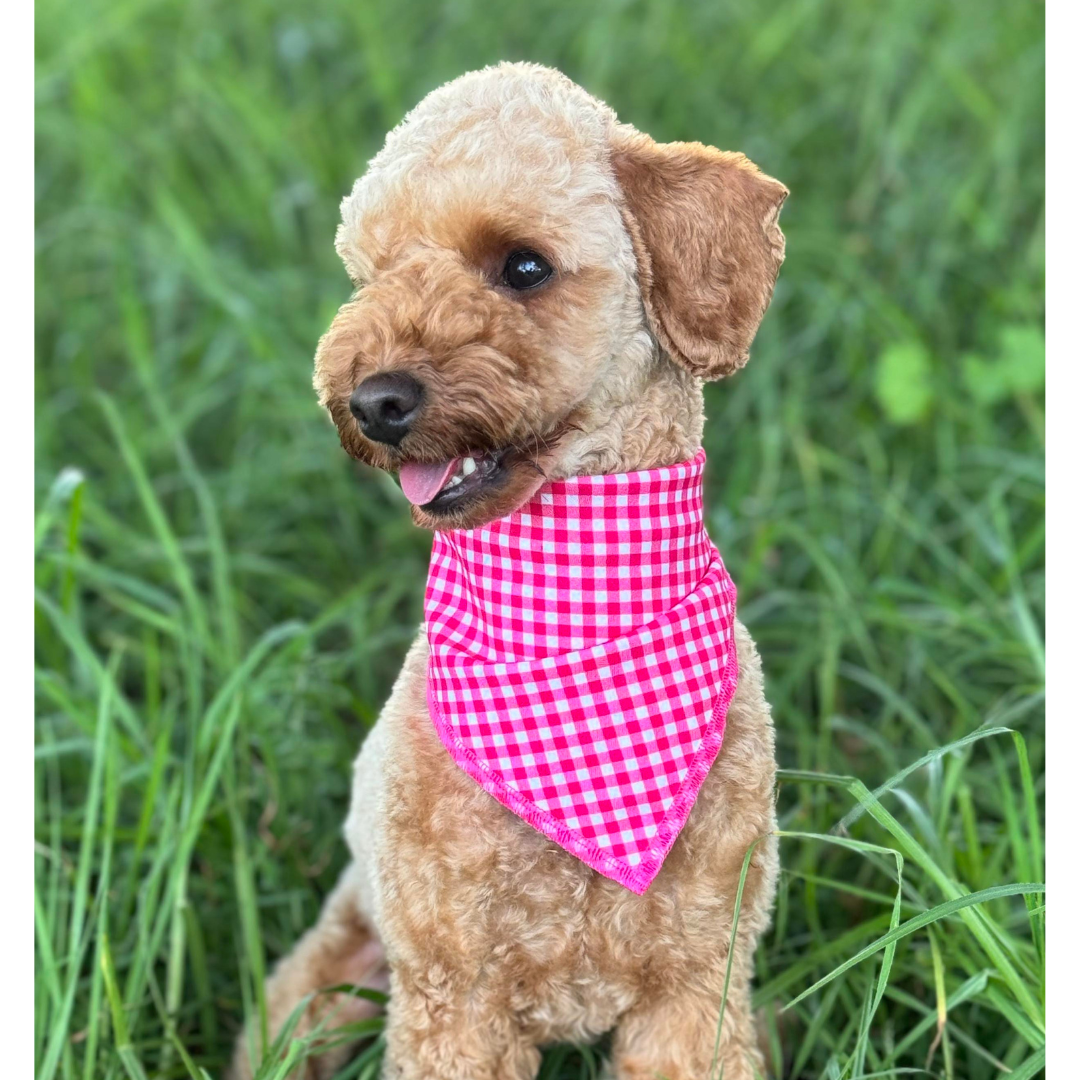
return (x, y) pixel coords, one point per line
(444, 1025)
(673, 1035)
(672, 1030)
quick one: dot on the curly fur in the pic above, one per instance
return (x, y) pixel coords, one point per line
(498, 941)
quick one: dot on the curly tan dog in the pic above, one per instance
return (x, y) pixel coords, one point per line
(540, 281)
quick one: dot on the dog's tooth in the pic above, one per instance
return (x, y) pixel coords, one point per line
(468, 467)
(454, 481)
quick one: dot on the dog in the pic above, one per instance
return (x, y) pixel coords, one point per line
(541, 291)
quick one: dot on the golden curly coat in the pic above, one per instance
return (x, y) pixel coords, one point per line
(498, 941)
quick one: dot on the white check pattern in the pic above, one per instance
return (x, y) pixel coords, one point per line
(582, 661)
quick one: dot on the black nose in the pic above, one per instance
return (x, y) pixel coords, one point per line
(385, 405)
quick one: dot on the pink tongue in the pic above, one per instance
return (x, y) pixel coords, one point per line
(421, 483)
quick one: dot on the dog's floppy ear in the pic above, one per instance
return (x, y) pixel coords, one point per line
(708, 245)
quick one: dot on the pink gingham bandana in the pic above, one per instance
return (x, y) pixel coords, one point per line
(582, 660)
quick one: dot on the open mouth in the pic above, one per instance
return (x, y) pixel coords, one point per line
(444, 485)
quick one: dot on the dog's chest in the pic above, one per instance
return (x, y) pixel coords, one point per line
(469, 876)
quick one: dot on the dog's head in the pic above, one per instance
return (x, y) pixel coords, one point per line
(540, 290)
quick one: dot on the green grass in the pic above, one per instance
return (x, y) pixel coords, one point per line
(224, 599)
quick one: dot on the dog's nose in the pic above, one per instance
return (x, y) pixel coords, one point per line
(385, 405)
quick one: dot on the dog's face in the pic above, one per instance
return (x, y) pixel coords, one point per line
(524, 264)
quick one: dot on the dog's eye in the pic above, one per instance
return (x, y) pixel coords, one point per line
(526, 270)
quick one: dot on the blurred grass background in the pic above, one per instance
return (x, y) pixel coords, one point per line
(224, 600)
